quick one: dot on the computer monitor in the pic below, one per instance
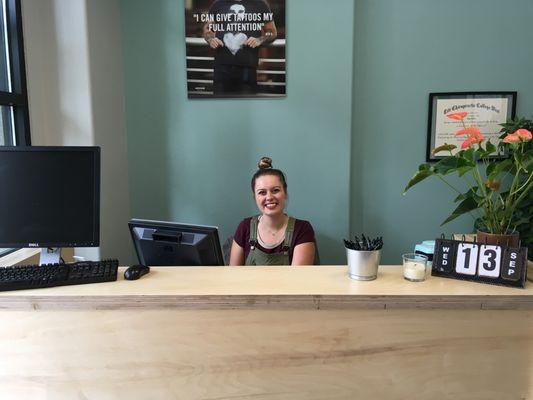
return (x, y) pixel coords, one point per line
(160, 243)
(49, 198)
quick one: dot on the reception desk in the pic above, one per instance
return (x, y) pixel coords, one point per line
(267, 333)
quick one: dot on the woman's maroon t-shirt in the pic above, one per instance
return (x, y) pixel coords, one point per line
(303, 233)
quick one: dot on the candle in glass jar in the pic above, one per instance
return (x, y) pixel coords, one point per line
(414, 267)
(414, 270)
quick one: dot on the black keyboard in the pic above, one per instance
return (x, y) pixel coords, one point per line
(41, 276)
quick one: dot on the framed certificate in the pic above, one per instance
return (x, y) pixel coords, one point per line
(450, 112)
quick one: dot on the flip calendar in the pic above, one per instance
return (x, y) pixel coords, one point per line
(480, 262)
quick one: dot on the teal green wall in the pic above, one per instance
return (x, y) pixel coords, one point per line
(192, 161)
(404, 50)
(351, 131)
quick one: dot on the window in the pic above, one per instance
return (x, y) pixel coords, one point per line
(14, 117)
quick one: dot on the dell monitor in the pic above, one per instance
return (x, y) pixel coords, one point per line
(171, 244)
(49, 198)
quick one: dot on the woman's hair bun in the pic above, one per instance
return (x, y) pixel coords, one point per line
(265, 163)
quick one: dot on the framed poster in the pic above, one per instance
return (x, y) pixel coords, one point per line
(235, 48)
(450, 112)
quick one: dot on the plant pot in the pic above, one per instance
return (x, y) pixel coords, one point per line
(510, 240)
(363, 265)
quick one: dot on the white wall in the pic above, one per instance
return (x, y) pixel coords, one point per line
(76, 97)
(57, 67)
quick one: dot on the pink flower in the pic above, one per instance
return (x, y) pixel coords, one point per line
(524, 134)
(521, 135)
(457, 116)
(474, 136)
(511, 138)
(472, 140)
(469, 130)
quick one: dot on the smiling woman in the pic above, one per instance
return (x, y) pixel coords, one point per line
(272, 237)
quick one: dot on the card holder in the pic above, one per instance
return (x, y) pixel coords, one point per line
(444, 256)
(490, 261)
(514, 264)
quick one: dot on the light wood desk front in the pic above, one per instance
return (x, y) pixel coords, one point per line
(267, 333)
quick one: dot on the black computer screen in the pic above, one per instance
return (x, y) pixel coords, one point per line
(49, 196)
(160, 243)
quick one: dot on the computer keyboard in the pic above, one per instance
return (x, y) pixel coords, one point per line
(41, 276)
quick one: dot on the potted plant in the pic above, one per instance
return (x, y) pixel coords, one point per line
(497, 188)
(524, 211)
(363, 257)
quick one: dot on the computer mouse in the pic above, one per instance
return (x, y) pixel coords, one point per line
(135, 272)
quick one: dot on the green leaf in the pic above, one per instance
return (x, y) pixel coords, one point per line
(516, 123)
(465, 206)
(451, 164)
(521, 221)
(490, 148)
(504, 166)
(491, 167)
(445, 165)
(472, 193)
(469, 154)
(527, 161)
(444, 147)
(485, 152)
(418, 177)
(463, 170)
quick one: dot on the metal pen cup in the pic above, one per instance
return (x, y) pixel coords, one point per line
(363, 265)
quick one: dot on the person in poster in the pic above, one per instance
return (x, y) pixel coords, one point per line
(235, 30)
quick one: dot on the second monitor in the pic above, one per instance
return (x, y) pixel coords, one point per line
(160, 243)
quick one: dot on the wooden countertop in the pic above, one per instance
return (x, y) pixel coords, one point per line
(322, 287)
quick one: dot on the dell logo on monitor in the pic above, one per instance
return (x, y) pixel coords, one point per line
(33, 245)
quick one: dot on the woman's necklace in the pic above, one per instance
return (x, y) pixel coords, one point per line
(275, 238)
(273, 232)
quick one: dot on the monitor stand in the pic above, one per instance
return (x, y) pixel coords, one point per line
(50, 255)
